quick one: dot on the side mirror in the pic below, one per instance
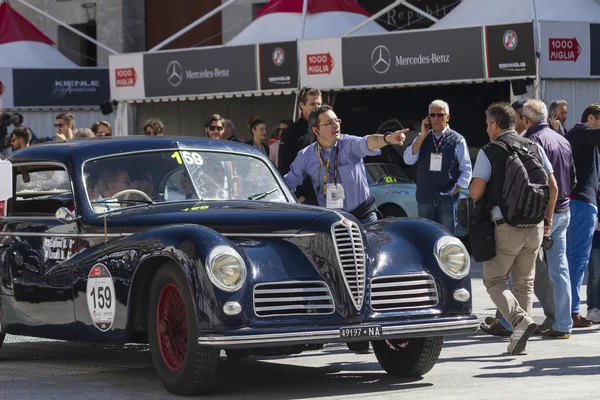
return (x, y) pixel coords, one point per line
(65, 216)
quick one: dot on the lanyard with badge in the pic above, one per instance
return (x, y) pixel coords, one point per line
(435, 162)
(334, 192)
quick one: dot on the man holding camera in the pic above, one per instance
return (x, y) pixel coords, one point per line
(444, 168)
(558, 151)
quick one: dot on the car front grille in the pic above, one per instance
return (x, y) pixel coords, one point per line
(292, 298)
(351, 258)
(400, 292)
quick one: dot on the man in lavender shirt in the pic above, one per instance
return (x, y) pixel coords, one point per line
(335, 165)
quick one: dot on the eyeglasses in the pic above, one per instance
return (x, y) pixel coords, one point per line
(330, 123)
(59, 125)
(212, 128)
(437, 115)
(281, 129)
(100, 134)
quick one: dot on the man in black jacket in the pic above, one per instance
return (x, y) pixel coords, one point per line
(297, 137)
(585, 141)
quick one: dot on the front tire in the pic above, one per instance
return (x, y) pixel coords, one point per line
(182, 365)
(408, 357)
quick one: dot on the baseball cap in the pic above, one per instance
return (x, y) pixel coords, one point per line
(518, 104)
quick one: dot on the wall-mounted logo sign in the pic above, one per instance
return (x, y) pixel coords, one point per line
(125, 77)
(278, 65)
(510, 40)
(563, 49)
(317, 64)
(174, 73)
(381, 59)
(278, 56)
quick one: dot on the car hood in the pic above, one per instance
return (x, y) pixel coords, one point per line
(222, 216)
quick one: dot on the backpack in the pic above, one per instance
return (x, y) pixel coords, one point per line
(525, 191)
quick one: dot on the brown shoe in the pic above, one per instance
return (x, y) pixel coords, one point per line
(541, 329)
(580, 322)
(551, 333)
(495, 329)
(491, 320)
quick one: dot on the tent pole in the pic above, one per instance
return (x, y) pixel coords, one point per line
(304, 13)
(69, 27)
(538, 52)
(376, 15)
(191, 26)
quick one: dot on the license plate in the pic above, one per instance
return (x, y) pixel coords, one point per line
(360, 332)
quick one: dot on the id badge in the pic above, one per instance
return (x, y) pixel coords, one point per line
(335, 196)
(435, 162)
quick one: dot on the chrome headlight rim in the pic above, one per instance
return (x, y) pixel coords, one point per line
(220, 251)
(445, 241)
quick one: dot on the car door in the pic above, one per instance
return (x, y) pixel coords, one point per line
(35, 253)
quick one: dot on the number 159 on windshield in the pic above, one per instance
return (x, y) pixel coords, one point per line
(187, 157)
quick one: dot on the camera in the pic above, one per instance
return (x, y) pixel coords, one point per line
(547, 242)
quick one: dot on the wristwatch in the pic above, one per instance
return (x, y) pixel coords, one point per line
(385, 135)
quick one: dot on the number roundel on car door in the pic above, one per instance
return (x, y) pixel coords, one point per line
(100, 295)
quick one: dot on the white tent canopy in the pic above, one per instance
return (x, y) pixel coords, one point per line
(22, 45)
(486, 12)
(282, 20)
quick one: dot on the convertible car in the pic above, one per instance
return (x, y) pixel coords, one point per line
(196, 246)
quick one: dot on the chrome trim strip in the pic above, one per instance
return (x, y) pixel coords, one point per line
(333, 335)
(62, 235)
(125, 234)
(17, 219)
(275, 235)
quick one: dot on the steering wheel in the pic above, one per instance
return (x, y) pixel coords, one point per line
(128, 192)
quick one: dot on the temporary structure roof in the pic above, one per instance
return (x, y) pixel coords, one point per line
(22, 45)
(281, 20)
(485, 12)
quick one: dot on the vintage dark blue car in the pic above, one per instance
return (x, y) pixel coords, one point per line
(196, 246)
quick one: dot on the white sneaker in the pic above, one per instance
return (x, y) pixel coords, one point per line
(593, 315)
(518, 341)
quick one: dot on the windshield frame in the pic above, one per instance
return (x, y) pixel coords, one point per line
(283, 187)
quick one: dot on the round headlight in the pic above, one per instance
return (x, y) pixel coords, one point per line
(226, 268)
(453, 257)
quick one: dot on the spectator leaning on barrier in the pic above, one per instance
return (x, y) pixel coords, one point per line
(516, 248)
(585, 142)
(444, 168)
(558, 151)
(334, 164)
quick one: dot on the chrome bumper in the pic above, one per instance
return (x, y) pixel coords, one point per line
(252, 338)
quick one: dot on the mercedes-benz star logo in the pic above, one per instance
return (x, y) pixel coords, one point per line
(174, 73)
(380, 59)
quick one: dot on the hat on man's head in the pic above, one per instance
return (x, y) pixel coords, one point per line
(518, 104)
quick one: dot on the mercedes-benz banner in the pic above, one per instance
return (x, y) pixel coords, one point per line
(200, 71)
(407, 57)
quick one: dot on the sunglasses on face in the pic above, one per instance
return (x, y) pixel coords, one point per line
(59, 125)
(436, 115)
(212, 128)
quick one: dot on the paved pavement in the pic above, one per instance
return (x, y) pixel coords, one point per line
(470, 367)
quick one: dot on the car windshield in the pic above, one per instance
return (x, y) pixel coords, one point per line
(386, 173)
(169, 176)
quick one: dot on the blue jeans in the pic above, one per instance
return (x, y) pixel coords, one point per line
(593, 283)
(441, 210)
(558, 268)
(579, 245)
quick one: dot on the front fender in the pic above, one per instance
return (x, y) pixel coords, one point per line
(406, 246)
(188, 247)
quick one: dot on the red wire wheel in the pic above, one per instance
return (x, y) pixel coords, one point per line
(171, 326)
